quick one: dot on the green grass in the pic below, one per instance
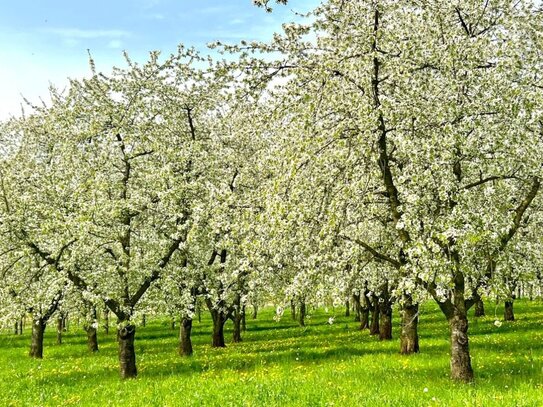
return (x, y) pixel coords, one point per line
(279, 364)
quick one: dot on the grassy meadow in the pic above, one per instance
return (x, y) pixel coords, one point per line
(280, 364)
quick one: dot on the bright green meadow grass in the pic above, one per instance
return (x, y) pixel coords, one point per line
(280, 364)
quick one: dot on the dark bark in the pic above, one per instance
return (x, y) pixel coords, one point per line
(409, 337)
(219, 318)
(293, 310)
(127, 353)
(143, 320)
(374, 324)
(218, 331)
(92, 339)
(185, 342)
(301, 314)
(365, 306)
(364, 319)
(357, 308)
(59, 330)
(172, 325)
(236, 336)
(508, 314)
(36, 346)
(479, 307)
(347, 308)
(385, 315)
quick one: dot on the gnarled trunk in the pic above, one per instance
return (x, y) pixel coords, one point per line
(508, 314)
(409, 337)
(127, 353)
(461, 369)
(36, 345)
(185, 342)
(255, 310)
(347, 308)
(293, 310)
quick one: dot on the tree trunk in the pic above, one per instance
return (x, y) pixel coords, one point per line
(385, 315)
(172, 325)
(218, 335)
(127, 353)
(143, 320)
(357, 308)
(36, 346)
(218, 329)
(508, 314)
(364, 310)
(293, 310)
(374, 325)
(243, 320)
(255, 310)
(461, 369)
(409, 337)
(59, 329)
(19, 326)
(236, 338)
(301, 314)
(347, 308)
(106, 321)
(185, 342)
(479, 307)
(92, 339)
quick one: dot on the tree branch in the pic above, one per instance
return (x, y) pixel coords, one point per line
(375, 253)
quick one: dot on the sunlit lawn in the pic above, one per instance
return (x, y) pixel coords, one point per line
(281, 364)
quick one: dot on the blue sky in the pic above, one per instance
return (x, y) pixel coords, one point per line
(47, 41)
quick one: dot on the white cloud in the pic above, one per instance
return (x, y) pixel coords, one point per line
(236, 21)
(115, 44)
(70, 42)
(88, 34)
